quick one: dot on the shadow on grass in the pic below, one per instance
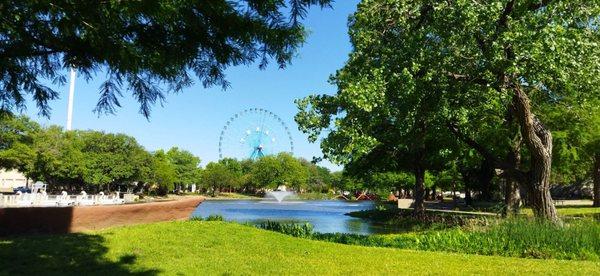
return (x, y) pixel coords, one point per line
(72, 254)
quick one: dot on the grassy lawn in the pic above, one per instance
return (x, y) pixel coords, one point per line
(199, 247)
(571, 211)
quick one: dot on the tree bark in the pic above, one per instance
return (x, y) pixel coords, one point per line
(485, 176)
(419, 209)
(596, 173)
(512, 198)
(467, 185)
(468, 197)
(538, 140)
(419, 169)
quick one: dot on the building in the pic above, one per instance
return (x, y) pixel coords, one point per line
(11, 179)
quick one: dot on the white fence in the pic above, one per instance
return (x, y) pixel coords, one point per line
(44, 200)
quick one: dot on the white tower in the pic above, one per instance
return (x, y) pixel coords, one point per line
(70, 104)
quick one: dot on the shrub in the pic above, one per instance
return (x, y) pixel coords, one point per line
(402, 219)
(209, 218)
(293, 229)
(215, 218)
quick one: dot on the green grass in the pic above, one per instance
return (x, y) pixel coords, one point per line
(583, 211)
(201, 248)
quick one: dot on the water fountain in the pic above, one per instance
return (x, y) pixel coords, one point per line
(280, 194)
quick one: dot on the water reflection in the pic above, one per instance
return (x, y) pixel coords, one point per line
(327, 216)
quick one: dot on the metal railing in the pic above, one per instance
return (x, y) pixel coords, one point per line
(44, 200)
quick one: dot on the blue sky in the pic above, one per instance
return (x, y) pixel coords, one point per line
(193, 119)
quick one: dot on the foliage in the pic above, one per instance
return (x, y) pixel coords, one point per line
(209, 218)
(110, 158)
(163, 173)
(282, 169)
(217, 175)
(403, 221)
(187, 166)
(16, 137)
(411, 77)
(315, 195)
(268, 172)
(93, 160)
(86, 159)
(57, 158)
(149, 48)
(304, 230)
(394, 179)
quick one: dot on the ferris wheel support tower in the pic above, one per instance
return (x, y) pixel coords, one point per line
(70, 103)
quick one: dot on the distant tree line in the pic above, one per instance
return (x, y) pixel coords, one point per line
(91, 160)
(97, 161)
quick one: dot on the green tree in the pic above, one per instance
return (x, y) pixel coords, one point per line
(186, 164)
(319, 178)
(58, 159)
(16, 141)
(235, 169)
(384, 117)
(294, 174)
(506, 52)
(148, 47)
(216, 175)
(389, 181)
(576, 152)
(283, 169)
(110, 159)
(267, 172)
(163, 174)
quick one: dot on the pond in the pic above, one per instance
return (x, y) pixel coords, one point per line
(326, 216)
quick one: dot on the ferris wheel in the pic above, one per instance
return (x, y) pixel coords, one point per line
(254, 133)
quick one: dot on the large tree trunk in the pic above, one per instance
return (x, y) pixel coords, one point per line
(485, 176)
(467, 185)
(419, 208)
(596, 173)
(419, 169)
(468, 197)
(512, 197)
(538, 140)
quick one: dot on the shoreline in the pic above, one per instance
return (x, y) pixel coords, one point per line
(59, 220)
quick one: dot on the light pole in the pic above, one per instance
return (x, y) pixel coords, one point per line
(70, 104)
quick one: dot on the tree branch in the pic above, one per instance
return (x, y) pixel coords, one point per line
(467, 78)
(534, 133)
(539, 5)
(500, 164)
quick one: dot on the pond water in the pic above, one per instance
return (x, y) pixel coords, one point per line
(327, 216)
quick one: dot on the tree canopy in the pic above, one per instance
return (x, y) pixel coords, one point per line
(16, 136)
(148, 47)
(421, 68)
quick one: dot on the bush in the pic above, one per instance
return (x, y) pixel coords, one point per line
(209, 218)
(402, 219)
(293, 229)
